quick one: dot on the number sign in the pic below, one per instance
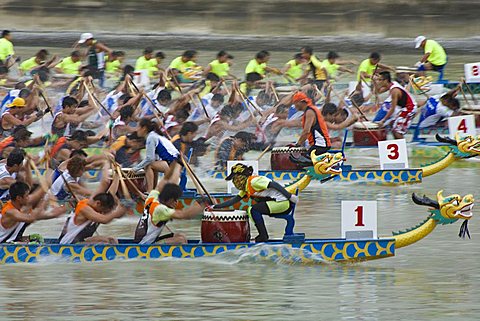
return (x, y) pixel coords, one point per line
(359, 219)
(393, 154)
(464, 125)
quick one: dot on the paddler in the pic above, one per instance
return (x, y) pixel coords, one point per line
(403, 106)
(147, 62)
(434, 57)
(70, 65)
(319, 72)
(295, 68)
(70, 115)
(333, 65)
(179, 65)
(89, 213)
(438, 108)
(18, 113)
(220, 66)
(71, 176)
(271, 198)
(233, 148)
(21, 210)
(10, 172)
(127, 149)
(259, 64)
(160, 207)
(7, 53)
(368, 68)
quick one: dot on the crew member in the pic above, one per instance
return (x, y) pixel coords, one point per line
(434, 57)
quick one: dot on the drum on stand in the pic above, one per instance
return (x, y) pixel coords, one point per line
(280, 158)
(368, 134)
(225, 227)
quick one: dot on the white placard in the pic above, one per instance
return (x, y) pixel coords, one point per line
(141, 79)
(359, 219)
(464, 125)
(472, 72)
(230, 187)
(393, 154)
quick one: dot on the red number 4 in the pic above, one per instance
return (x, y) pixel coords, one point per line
(462, 126)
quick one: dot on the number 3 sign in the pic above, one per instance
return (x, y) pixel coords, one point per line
(464, 125)
(359, 219)
(393, 154)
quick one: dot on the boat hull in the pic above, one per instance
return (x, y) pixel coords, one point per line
(310, 251)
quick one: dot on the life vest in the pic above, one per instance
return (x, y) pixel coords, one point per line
(7, 142)
(62, 141)
(14, 232)
(146, 231)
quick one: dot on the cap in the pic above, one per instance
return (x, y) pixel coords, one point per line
(418, 41)
(84, 37)
(299, 96)
(17, 102)
(239, 169)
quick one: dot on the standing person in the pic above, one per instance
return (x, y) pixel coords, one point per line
(314, 127)
(434, 57)
(403, 106)
(271, 198)
(6, 49)
(220, 66)
(95, 56)
(159, 153)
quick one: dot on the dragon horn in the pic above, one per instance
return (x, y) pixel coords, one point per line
(425, 201)
(445, 139)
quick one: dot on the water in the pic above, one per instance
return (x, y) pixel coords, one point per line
(435, 279)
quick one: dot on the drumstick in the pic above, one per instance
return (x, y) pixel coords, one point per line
(264, 152)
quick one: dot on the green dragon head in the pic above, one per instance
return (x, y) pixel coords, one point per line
(464, 147)
(327, 163)
(449, 209)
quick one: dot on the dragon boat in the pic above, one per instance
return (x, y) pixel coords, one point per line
(293, 248)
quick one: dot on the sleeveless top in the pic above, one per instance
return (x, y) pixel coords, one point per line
(4, 193)
(318, 135)
(148, 232)
(73, 233)
(58, 184)
(13, 233)
(406, 101)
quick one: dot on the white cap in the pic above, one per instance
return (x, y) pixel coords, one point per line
(84, 37)
(418, 41)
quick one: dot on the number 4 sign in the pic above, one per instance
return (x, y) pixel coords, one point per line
(359, 219)
(464, 125)
(393, 154)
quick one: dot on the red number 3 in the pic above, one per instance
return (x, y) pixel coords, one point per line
(462, 126)
(393, 149)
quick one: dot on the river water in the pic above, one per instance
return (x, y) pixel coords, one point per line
(435, 279)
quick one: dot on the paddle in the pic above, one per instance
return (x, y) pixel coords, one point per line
(95, 101)
(465, 97)
(470, 91)
(264, 152)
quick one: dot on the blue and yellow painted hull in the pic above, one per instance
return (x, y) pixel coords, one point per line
(308, 252)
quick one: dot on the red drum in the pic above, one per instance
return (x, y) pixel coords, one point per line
(368, 134)
(280, 158)
(225, 227)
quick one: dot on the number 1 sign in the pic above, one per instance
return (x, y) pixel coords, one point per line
(393, 154)
(463, 125)
(359, 219)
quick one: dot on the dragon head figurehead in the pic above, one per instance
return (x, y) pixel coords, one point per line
(449, 209)
(327, 163)
(464, 147)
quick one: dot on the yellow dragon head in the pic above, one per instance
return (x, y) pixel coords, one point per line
(327, 163)
(468, 144)
(449, 209)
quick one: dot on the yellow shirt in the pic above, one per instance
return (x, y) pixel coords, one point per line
(331, 68)
(220, 69)
(28, 64)
(181, 66)
(69, 67)
(295, 71)
(6, 49)
(144, 64)
(254, 66)
(438, 56)
(320, 73)
(112, 66)
(367, 67)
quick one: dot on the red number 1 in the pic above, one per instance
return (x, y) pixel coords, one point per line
(359, 211)
(462, 126)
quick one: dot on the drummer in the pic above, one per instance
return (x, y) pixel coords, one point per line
(271, 198)
(160, 207)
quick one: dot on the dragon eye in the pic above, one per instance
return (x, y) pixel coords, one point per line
(455, 202)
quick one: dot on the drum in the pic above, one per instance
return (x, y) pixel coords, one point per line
(225, 227)
(280, 158)
(134, 182)
(473, 110)
(368, 134)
